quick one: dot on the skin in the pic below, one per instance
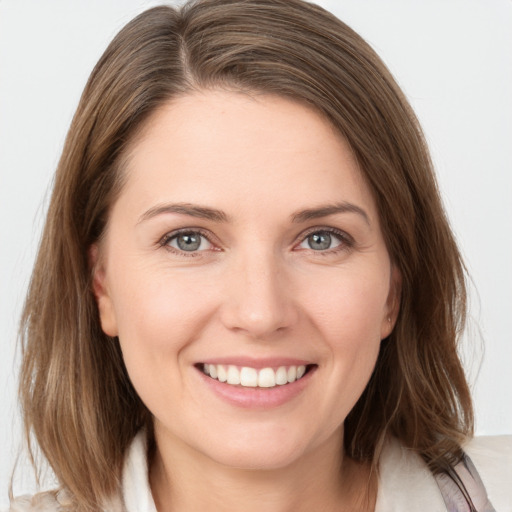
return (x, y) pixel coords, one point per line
(254, 288)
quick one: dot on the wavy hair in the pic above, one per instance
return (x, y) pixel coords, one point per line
(77, 399)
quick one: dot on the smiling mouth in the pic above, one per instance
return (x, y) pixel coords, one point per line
(253, 378)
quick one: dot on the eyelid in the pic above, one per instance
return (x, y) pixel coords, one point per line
(347, 241)
(164, 241)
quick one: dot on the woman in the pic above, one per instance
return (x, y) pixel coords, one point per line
(247, 293)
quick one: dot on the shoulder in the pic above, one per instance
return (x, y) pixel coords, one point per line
(51, 501)
(405, 482)
(492, 457)
(57, 501)
(134, 496)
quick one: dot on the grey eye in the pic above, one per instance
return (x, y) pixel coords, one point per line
(189, 242)
(319, 241)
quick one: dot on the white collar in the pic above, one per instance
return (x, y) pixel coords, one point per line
(405, 482)
(137, 495)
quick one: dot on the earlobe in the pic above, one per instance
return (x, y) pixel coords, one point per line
(102, 293)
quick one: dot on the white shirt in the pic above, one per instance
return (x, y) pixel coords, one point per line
(405, 482)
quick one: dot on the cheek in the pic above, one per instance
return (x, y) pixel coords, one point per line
(348, 314)
(155, 299)
(159, 314)
(350, 307)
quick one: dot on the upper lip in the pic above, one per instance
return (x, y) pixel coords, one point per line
(257, 363)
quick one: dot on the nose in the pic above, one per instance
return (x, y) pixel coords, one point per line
(258, 297)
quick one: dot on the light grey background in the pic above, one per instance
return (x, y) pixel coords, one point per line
(452, 57)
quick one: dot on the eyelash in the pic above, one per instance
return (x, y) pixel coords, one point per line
(166, 239)
(346, 241)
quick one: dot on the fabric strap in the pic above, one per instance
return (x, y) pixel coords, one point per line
(463, 489)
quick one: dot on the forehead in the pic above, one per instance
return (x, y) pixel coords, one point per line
(255, 150)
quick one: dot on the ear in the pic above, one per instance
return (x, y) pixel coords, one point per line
(392, 303)
(101, 292)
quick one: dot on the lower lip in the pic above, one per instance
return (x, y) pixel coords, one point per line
(257, 398)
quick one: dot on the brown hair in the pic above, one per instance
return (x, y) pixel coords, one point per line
(77, 398)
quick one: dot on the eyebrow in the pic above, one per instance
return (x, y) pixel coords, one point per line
(204, 212)
(330, 209)
(200, 212)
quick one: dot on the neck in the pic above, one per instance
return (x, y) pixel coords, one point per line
(323, 479)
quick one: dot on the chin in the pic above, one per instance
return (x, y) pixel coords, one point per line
(266, 459)
(264, 450)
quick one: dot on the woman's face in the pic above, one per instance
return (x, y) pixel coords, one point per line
(245, 245)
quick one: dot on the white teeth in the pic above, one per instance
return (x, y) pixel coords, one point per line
(281, 376)
(250, 377)
(266, 378)
(292, 374)
(233, 375)
(222, 376)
